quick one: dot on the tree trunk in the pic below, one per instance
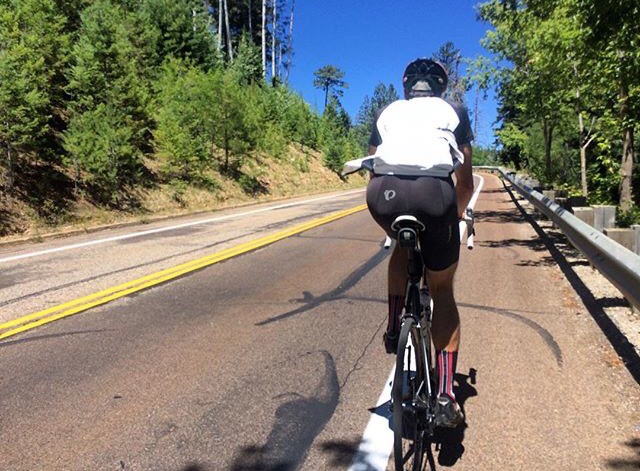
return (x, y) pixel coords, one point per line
(264, 39)
(584, 139)
(10, 175)
(626, 165)
(226, 20)
(219, 25)
(548, 135)
(279, 61)
(250, 24)
(626, 170)
(290, 44)
(273, 41)
(226, 150)
(476, 110)
(76, 177)
(583, 147)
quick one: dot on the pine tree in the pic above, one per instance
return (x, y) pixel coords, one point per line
(449, 56)
(329, 79)
(31, 60)
(109, 97)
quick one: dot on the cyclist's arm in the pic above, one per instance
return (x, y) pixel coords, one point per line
(372, 149)
(464, 179)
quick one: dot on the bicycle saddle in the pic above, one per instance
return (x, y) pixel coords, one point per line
(407, 228)
(407, 221)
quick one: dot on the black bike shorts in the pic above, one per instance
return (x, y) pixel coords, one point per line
(432, 201)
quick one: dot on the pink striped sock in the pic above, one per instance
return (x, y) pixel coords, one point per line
(446, 368)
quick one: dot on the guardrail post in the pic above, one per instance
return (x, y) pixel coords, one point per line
(623, 236)
(604, 216)
(636, 233)
(585, 214)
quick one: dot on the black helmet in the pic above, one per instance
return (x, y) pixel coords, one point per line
(424, 77)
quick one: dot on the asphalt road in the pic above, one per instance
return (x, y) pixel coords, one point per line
(272, 359)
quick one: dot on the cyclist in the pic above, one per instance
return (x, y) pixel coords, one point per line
(419, 142)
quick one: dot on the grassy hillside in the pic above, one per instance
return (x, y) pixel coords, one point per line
(27, 213)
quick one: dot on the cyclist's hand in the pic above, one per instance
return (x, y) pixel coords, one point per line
(467, 216)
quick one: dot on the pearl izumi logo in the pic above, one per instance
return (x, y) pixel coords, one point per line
(389, 194)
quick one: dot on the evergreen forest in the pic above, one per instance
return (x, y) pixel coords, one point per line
(100, 98)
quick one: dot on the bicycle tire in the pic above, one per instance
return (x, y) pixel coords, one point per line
(408, 427)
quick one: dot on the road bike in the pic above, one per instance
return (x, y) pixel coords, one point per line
(414, 389)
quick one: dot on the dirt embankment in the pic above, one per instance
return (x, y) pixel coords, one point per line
(28, 213)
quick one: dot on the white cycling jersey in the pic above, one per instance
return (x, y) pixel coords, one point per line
(417, 138)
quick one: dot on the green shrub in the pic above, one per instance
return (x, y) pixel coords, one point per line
(252, 185)
(100, 142)
(628, 218)
(179, 188)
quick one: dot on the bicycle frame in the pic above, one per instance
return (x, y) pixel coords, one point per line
(418, 307)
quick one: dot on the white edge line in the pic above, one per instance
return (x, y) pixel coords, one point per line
(476, 192)
(170, 228)
(377, 440)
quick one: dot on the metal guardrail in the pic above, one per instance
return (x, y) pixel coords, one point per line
(617, 263)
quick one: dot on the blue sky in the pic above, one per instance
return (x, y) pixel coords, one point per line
(373, 40)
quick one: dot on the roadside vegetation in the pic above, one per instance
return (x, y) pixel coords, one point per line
(568, 79)
(119, 109)
(106, 104)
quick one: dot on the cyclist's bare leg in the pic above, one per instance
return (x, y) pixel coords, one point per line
(397, 285)
(445, 327)
(445, 330)
(397, 275)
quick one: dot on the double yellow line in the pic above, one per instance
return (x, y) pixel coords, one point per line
(46, 316)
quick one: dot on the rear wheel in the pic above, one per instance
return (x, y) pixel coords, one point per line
(409, 393)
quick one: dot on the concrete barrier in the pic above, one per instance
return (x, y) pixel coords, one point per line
(622, 235)
(604, 216)
(535, 184)
(584, 213)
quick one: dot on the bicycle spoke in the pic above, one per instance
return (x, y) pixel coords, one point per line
(410, 404)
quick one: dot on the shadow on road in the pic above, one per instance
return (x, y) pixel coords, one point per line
(297, 423)
(634, 463)
(341, 452)
(37, 338)
(616, 338)
(448, 442)
(496, 216)
(309, 301)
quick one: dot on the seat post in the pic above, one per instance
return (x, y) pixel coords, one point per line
(415, 265)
